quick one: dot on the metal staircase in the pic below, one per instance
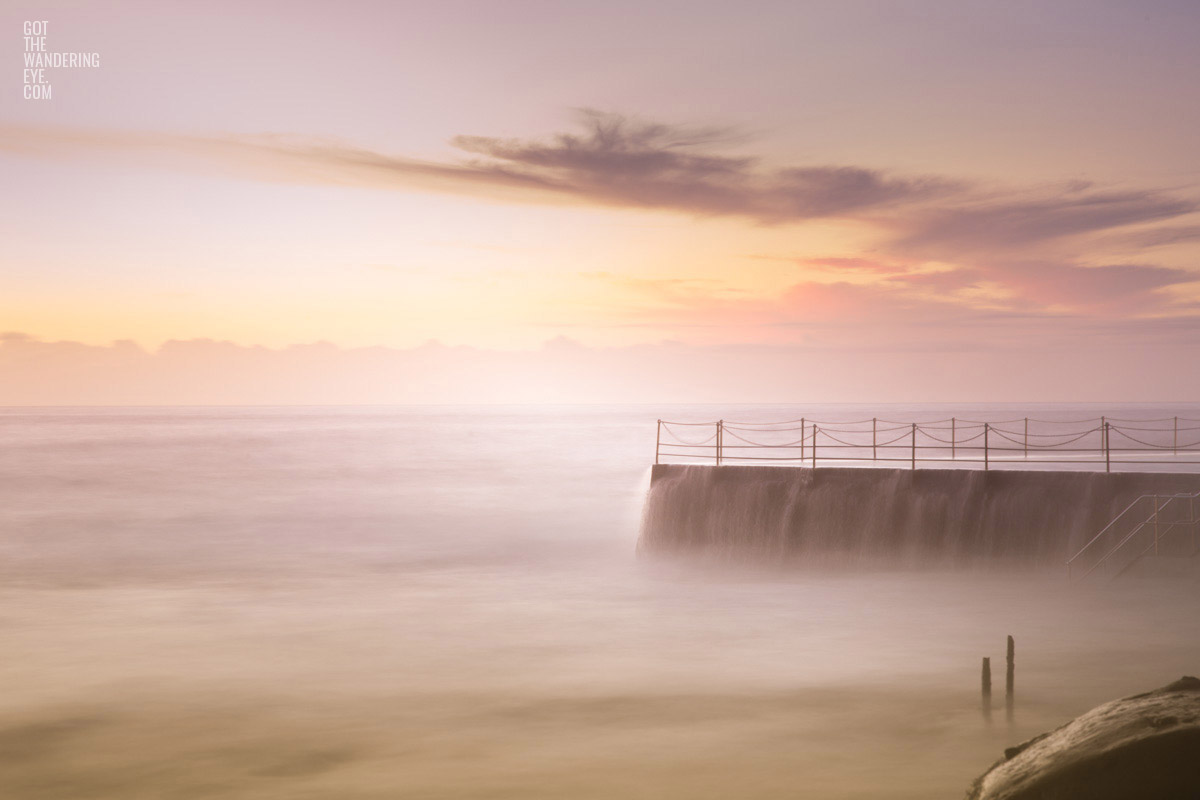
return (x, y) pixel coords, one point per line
(1153, 524)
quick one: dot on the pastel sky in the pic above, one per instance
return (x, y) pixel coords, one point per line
(961, 200)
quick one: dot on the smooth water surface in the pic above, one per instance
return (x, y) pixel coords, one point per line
(446, 602)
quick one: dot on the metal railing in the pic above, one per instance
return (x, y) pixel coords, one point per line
(1146, 525)
(1086, 443)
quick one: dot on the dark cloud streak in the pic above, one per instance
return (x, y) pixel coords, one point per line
(1007, 224)
(626, 162)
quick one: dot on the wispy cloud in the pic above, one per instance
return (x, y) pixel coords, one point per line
(1030, 301)
(1005, 224)
(1160, 237)
(622, 161)
(615, 161)
(1122, 288)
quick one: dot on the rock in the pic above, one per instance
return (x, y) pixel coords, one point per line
(1144, 747)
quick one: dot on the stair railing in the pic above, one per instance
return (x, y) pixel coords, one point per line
(1148, 514)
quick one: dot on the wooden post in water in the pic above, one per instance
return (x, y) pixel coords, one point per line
(874, 439)
(986, 428)
(986, 681)
(657, 440)
(914, 446)
(952, 439)
(1010, 678)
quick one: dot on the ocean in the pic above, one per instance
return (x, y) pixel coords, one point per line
(440, 602)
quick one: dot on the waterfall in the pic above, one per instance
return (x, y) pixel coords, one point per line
(886, 516)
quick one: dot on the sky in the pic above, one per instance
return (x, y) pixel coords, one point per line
(295, 202)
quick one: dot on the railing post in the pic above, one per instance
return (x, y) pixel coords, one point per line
(952, 456)
(986, 428)
(874, 439)
(720, 438)
(1027, 437)
(1104, 440)
(1107, 449)
(814, 446)
(657, 440)
(914, 445)
(1175, 439)
(802, 441)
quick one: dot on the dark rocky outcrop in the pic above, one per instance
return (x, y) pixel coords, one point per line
(1138, 748)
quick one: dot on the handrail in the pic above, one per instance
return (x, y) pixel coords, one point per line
(1106, 528)
(1160, 526)
(964, 442)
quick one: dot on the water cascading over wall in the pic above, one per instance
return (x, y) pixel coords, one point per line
(855, 515)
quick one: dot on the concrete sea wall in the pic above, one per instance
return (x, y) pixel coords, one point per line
(924, 516)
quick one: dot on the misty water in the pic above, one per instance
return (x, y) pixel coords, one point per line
(446, 602)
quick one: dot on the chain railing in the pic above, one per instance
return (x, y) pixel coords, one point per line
(1087, 443)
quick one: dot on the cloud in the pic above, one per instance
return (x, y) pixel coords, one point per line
(269, 158)
(1038, 303)
(1055, 286)
(1005, 224)
(626, 162)
(616, 148)
(1161, 236)
(866, 266)
(668, 291)
(615, 161)
(1122, 288)
(1099, 359)
(949, 257)
(838, 315)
